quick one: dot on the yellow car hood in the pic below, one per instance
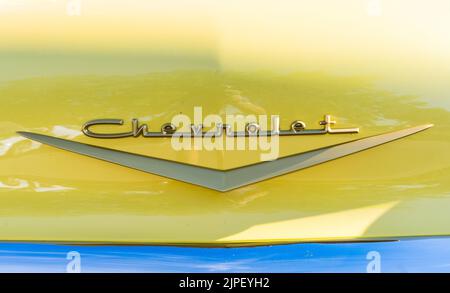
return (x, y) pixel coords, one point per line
(369, 66)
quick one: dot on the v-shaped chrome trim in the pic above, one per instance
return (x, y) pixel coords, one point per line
(223, 180)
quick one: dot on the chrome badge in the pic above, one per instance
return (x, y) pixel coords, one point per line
(251, 129)
(224, 180)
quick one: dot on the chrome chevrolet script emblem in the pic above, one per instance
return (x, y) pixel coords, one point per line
(224, 180)
(251, 129)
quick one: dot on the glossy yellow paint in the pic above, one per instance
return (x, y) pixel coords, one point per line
(380, 72)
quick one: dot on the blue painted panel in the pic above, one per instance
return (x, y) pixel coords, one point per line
(420, 255)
